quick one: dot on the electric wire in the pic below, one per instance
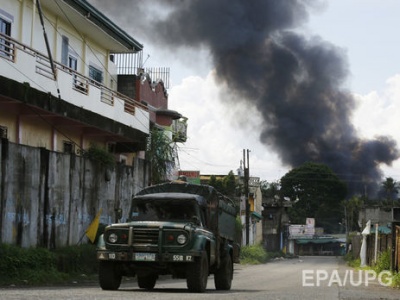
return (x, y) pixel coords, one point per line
(88, 45)
(46, 90)
(37, 113)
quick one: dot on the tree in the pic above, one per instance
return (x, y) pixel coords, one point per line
(391, 189)
(159, 153)
(315, 192)
(270, 190)
(229, 185)
(352, 209)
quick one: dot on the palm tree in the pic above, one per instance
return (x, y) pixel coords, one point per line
(391, 187)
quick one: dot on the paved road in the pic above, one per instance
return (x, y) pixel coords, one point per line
(302, 278)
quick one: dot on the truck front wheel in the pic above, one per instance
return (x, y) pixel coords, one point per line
(197, 274)
(147, 282)
(223, 276)
(109, 275)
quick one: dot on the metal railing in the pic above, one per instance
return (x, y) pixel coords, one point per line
(10, 47)
(7, 50)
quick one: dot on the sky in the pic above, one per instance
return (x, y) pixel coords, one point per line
(367, 30)
(365, 33)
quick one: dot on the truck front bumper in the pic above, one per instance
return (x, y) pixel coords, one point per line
(105, 255)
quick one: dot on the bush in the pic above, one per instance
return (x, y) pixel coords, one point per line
(383, 261)
(253, 254)
(32, 265)
(396, 280)
(40, 265)
(77, 259)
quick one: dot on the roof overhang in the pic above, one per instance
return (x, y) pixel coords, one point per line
(92, 23)
(62, 115)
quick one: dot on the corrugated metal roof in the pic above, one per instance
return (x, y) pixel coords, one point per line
(317, 241)
(382, 230)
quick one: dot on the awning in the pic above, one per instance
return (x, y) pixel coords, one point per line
(256, 215)
(382, 230)
(316, 241)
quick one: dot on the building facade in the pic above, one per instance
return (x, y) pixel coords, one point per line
(62, 93)
(59, 90)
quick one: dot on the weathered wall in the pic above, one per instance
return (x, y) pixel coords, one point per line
(49, 198)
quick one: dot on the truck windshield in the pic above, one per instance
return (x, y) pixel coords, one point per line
(164, 210)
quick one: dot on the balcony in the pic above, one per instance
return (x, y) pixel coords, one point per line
(23, 64)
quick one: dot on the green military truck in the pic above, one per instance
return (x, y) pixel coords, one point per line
(179, 229)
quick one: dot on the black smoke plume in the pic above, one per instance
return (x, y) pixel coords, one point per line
(296, 82)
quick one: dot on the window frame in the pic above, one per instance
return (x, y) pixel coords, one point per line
(5, 46)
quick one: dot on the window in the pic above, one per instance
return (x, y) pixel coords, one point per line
(68, 147)
(5, 28)
(95, 74)
(3, 132)
(72, 63)
(64, 50)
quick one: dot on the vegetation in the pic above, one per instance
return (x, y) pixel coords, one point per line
(382, 264)
(36, 266)
(390, 188)
(100, 155)
(352, 209)
(316, 192)
(256, 254)
(227, 185)
(159, 153)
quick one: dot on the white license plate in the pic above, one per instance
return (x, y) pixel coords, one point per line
(145, 256)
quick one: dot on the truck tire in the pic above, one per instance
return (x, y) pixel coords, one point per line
(109, 276)
(223, 276)
(147, 282)
(197, 274)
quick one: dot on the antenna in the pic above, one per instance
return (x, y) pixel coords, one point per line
(148, 55)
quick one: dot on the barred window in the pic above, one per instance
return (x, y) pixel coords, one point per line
(5, 28)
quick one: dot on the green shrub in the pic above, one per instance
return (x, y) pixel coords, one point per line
(40, 265)
(396, 280)
(253, 254)
(383, 261)
(77, 259)
(100, 155)
(22, 265)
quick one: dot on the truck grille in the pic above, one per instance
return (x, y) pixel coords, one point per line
(145, 236)
(140, 237)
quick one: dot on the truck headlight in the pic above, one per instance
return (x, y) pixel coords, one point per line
(181, 239)
(112, 238)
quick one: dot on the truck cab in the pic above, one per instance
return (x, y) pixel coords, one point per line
(183, 230)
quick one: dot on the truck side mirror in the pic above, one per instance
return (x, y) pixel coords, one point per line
(195, 220)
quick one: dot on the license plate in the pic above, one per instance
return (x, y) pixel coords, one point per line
(145, 256)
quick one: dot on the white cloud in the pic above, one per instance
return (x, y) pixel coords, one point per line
(379, 114)
(218, 133)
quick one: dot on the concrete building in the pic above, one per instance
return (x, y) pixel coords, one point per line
(66, 92)
(78, 86)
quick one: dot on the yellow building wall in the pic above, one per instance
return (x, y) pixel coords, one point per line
(8, 119)
(35, 132)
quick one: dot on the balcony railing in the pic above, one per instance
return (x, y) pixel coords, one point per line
(12, 51)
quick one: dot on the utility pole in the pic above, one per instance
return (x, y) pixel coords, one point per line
(246, 193)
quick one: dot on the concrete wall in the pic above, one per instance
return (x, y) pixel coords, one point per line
(49, 198)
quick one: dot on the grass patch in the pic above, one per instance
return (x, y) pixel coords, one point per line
(382, 264)
(39, 266)
(256, 254)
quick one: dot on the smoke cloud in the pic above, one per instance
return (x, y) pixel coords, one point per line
(296, 82)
